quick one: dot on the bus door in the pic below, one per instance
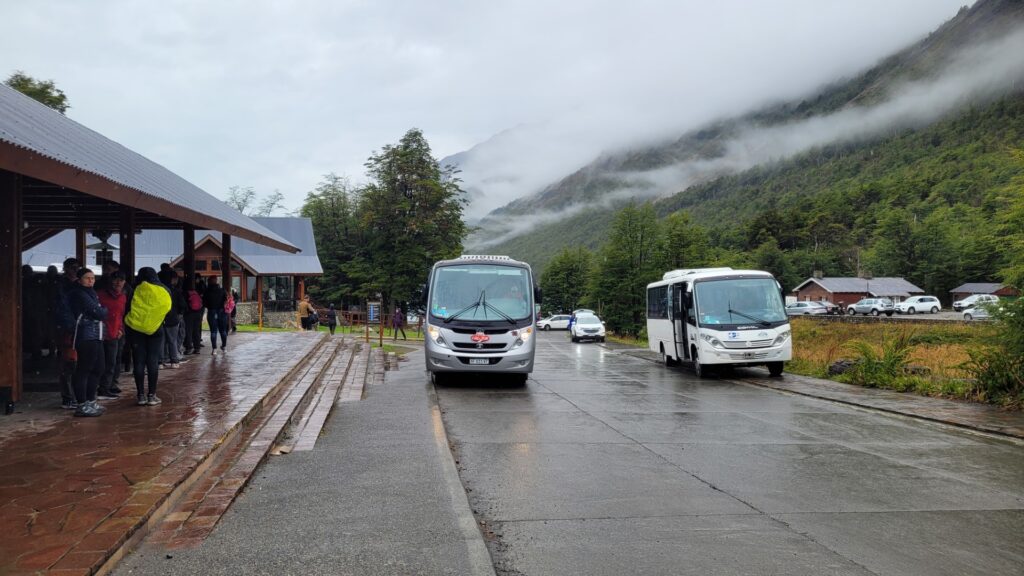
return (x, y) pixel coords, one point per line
(679, 321)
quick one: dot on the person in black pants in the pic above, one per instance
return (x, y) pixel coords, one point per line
(147, 348)
(216, 317)
(193, 319)
(89, 316)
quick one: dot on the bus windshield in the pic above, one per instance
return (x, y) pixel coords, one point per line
(753, 301)
(481, 292)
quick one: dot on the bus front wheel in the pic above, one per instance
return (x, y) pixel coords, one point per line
(775, 369)
(699, 370)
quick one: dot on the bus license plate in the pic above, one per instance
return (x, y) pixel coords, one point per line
(479, 361)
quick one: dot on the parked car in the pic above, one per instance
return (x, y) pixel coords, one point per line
(980, 311)
(872, 306)
(806, 308)
(974, 300)
(587, 327)
(831, 308)
(556, 322)
(916, 304)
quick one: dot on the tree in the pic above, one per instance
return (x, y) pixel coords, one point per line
(244, 200)
(410, 215)
(331, 210)
(44, 91)
(565, 278)
(627, 262)
(270, 204)
(241, 198)
(683, 243)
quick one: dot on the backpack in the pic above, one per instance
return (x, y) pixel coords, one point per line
(195, 301)
(229, 304)
(150, 305)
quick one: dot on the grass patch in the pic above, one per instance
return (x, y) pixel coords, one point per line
(927, 359)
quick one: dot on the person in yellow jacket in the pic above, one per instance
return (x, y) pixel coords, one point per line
(147, 310)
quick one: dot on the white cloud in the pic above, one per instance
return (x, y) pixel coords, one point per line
(275, 94)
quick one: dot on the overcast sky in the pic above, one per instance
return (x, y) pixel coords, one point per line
(275, 94)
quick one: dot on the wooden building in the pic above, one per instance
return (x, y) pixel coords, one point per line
(846, 291)
(1001, 290)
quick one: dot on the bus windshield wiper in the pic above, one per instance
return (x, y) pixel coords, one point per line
(496, 310)
(754, 318)
(472, 306)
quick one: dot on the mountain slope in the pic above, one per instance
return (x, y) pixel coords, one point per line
(727, 196)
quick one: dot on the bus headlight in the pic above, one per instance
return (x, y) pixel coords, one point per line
(524, 337)
(435, 334)
(712, 340)
(781, 338)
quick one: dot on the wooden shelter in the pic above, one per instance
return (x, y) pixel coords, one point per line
(56, 174)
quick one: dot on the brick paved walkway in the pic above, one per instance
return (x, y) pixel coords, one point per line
(73, 490)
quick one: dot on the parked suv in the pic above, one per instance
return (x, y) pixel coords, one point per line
(916, 304)
(872, 306)
(974, 300)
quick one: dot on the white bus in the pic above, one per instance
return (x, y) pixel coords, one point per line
(480, 317)
(719, 316)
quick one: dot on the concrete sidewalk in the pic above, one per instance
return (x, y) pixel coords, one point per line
(974, 416)
(379, 494)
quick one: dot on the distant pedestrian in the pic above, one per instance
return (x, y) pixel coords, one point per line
(214, 299)
(150, 303)
(398, 324)
(332, 318)
(172, 322)
(306, 313)
(233, 312)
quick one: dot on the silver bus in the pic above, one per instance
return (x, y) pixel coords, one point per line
(480, 317)
(719, 316)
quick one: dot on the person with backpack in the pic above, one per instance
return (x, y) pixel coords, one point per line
(149, 306)
(214, 300)
(113, 298)
(193, 320)
(88, 343)
(171, 357)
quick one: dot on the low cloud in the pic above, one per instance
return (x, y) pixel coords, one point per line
(976, 74)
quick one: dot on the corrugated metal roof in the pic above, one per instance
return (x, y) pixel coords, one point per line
(154, 247)
(874, 286)
(977, 288)
(29, 125)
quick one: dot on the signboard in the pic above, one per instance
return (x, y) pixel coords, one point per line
(373, 312)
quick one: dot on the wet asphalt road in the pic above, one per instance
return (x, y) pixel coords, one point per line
(609, 464)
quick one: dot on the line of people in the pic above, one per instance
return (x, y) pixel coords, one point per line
(99, 325)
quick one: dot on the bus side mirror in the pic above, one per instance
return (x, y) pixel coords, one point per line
(688, 301)
(538, 295)
(423, 294)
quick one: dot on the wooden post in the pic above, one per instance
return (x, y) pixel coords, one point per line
(11, 225)
(188, 241)
(259, 300)
(127, 238)
(80, 252)
(225, 262)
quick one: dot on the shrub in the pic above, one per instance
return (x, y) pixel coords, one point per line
(874, 369)
(998, 369)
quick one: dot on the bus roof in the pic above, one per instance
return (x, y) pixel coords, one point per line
(696, 274)
(482, 259)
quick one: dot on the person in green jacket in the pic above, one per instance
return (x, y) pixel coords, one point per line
(151, 301)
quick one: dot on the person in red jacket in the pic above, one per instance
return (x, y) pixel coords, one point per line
(113, 298)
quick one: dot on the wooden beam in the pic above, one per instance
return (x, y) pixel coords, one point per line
(225, 262)
(259, 300)
(11, 225)
(126, 230)
(189, 262)
(80, 252)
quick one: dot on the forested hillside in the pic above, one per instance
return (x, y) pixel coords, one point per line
(931, 202)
